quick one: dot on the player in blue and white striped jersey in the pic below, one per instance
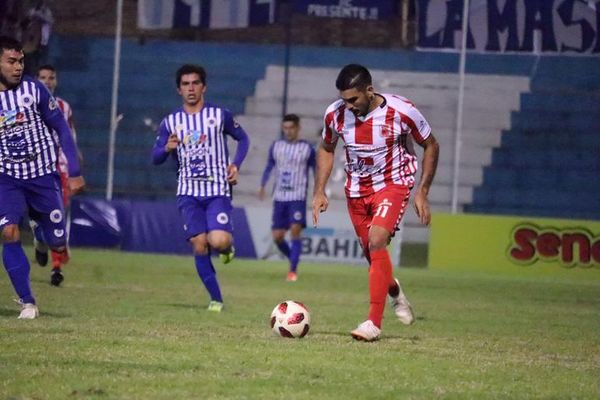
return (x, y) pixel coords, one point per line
(28, 162)
(293, 158)
(196, 136)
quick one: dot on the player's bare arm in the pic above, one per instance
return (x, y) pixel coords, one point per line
(261, 193)
(232, 174)
(325, 156)
(429, 166)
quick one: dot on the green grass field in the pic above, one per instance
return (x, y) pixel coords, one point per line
(131, 326)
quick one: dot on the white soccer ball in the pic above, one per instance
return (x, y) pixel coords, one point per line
(290, 319)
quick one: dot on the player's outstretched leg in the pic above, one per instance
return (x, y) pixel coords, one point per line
(400, 303)
(207, 274)
(17, 266)
(380, 274)
(294, 259)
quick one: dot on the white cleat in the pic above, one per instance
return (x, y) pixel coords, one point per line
(402, 307)
(29, 311)
(367, 331)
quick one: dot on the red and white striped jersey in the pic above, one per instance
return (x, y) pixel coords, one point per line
(377, 154)
(68, 113)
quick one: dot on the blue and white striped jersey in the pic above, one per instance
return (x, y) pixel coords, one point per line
(293, 160)
(28, 148)
(202, 153)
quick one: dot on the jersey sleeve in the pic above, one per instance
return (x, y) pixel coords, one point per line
(232, 128)
(159, 155)
(268, 167)
(329, 134)
(54, 119)
(419, 127)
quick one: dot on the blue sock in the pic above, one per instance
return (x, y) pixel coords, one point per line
(17, 267)
(284, 247)
(38, 232)
(207, 274)
(295, 254)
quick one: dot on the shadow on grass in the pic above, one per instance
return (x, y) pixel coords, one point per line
(182, 305)
(385, 336)
(14, 312)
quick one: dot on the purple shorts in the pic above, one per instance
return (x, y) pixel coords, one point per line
(42, 198)
(205, 215)
(286, 213)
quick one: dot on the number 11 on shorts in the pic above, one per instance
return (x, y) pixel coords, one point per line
(382, 208)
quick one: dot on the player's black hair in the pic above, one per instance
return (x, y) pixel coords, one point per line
(353, 76)
(46, 67)
(190, 69)
(291, 118)
(8, 43)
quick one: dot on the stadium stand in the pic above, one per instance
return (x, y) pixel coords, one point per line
(548, 162)
(248, 79)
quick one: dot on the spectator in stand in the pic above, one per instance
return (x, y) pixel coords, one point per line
(37, 28)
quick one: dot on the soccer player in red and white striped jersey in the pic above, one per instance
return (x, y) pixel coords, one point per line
(376, 130)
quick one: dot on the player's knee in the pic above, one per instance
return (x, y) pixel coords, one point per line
(199, 245)
(378, 242)
(220, 242)
(11, 233)
(278, 237)
(296, 231)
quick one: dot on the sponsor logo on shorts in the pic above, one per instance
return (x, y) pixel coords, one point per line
(185, 228)
(3, 221)
(222, 218)
(56, 216)
(52, 105)
(298, 215)
(59, 232)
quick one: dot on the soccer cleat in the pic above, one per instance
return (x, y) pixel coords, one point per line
(401, 306)
(291, 277)
(367, 332)
(28, 310)
(227, 257)
(57, 277)
(215, 306)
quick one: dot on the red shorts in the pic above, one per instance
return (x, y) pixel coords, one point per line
(384, 208)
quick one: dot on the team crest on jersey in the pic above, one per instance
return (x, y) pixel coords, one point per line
(25, 100)
(211, 122)
(195, 138)
(11, 117)
(386, 132)
(52, 104)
